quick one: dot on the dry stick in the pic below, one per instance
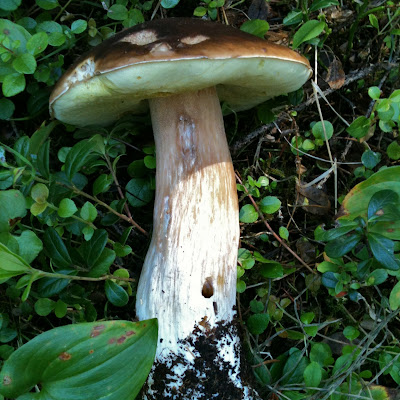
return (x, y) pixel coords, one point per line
(352, 77)
(272, 231)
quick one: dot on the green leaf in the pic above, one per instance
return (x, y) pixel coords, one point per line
(329, 280)
(283, 232)
(102, 184)
(47, 4)
(257, 323)
(320, 4)
(359, 127)
(13, 84)
(92, 249)
(377, 277)
(77, 157)
(200, 11)
(40, 193)
(294, 367)
(271, 270)
(150, 162)
(380, 201)
(25, 63)
(309, 30)
(393, 150)
(169, 3)
(270, 204)
(104, 360)
(248, 214)
(15, 33)
(116, 294)
(321, 353)
(394, 298)
(318, 130)
(374, 21)
(44, 306)
(117, 12)
(342, 364)
(351, 333)
(10, 5)
(78, 26)
(12, 205)
(139, 192)
(307, 318)
(383, 250)
(256, 27)
(56, 248)
(66, 208)
(37, 43)
(374, 92)
(370, 159)
(7, 108)
(11, 264)
(88, 212)
(341, 246)
(48, 287)
(312, 374)
(293, 18)
(29, 245)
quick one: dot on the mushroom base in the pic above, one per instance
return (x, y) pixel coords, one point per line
(215, 371)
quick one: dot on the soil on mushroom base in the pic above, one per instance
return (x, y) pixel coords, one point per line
(217, 384)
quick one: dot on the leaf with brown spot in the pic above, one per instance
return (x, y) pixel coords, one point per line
(86, 358)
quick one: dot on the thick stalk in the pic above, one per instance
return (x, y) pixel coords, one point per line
(188, 279)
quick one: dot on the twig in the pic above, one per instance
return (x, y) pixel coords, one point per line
(352, 77)
(272, 231)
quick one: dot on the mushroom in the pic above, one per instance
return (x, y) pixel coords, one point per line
(181, 69)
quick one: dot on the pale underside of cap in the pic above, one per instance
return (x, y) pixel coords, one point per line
(172, 56)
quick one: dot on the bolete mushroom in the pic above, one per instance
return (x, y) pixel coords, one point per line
(182, 69)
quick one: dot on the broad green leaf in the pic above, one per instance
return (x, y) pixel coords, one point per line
(248, 214)
(342, 245)
(7, 108)
(271, 270)
(29, 245)
(104, 360)
(380, 201)
(257, 323)
(12, 264)
(37, 43)
(320, 4)
(47, 4)
(66, 208)
(370, 159)
(351, 333)
(393, 150)
(40, 193)
(25, 63)
(77, 157)
(293, 18)
(377, 277)
(12, 205)
(150, 162)
(342, 364)
(13, 84)
(356, 202)
(383, 250)
(169, 3)
(44, 306)
(283, 232)
(313, 374)
(309, 30)
(102, 184)
(88, 212)
(200, 11)
(374, 92)
(92, 250)
(270, 204)
(56, 248)
(48, 287)
(103, 263)
(139, 192)
(329, 280)
(78, 26)
(394, 298)
(307, 318)
(359, 127)
(40, 136)
(10, 5)
(15, 33)
(326, 236)
(116, 294)
(117, 12)
(321, 353)
(61, 308)
(256, 27)
(318, 130)
(295, 367)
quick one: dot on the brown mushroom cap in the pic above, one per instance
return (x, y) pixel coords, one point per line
(171, 56)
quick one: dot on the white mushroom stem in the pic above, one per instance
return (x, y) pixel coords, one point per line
(193, 250)
(188, 279)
